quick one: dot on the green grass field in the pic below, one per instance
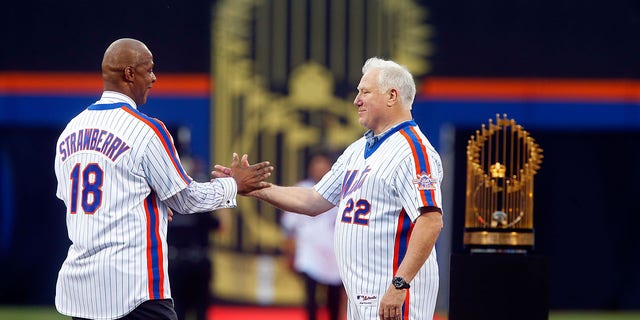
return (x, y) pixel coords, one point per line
(593, 315)
(30, 313)
(49, 313)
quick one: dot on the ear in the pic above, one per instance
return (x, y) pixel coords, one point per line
(392, 96)
(129, 73)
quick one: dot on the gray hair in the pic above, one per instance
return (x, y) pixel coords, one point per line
(393, 75)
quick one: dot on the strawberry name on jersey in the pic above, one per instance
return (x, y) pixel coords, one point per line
(98, 140)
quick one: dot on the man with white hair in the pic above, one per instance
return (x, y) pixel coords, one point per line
(387, 186)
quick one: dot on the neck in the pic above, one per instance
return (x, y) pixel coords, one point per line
(391, 123)
(118, 87)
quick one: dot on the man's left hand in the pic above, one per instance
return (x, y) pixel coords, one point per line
(391, 304)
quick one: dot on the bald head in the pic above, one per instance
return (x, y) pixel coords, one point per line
(119, 55)
(125, 61)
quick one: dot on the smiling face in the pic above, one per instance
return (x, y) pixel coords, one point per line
(372, 104)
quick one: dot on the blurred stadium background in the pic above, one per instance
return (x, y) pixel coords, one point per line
(275, 78)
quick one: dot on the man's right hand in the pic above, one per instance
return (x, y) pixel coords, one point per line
(248, 177)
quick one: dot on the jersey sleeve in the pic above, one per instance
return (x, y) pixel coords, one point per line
(161, 163)
(418, 181)
(207, 196)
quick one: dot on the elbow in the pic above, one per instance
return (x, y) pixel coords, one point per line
(433, 220)
(439, 222)
(440, 225)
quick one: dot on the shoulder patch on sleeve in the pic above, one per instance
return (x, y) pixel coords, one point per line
(424, 181)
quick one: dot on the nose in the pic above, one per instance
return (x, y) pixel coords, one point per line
(357, 102)
(153, 77)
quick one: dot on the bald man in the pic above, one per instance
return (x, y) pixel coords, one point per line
(119, 174)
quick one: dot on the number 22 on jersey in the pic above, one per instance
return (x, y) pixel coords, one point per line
(357, 212)
(86, 188)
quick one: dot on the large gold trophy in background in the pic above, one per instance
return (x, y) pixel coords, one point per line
(502, 160)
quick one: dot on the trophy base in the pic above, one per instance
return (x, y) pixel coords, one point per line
(498, 287)
(499, 240)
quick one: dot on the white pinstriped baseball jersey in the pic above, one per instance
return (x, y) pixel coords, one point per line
(115, 166)
(378, 190)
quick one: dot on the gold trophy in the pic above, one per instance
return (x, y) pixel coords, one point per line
(501, 162)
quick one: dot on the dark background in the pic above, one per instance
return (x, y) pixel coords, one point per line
(492, 38)
(587, 212)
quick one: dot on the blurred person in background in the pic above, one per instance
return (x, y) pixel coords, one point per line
(308, 247)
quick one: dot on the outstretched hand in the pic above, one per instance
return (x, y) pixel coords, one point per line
(248, 177)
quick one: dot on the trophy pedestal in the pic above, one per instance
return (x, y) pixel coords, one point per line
(498, 286)
(483, 240)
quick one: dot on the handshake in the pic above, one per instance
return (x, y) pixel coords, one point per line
(249, 177)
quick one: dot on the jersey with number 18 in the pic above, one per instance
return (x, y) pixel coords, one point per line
(114, 165)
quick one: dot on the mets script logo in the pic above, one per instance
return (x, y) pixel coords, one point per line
(424, 181)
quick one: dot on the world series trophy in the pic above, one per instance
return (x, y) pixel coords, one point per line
(502, 160)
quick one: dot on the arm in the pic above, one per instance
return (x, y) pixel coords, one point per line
(205, 197)
(220, 193)
(167, 177)
(423, 238)
(295, 199)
